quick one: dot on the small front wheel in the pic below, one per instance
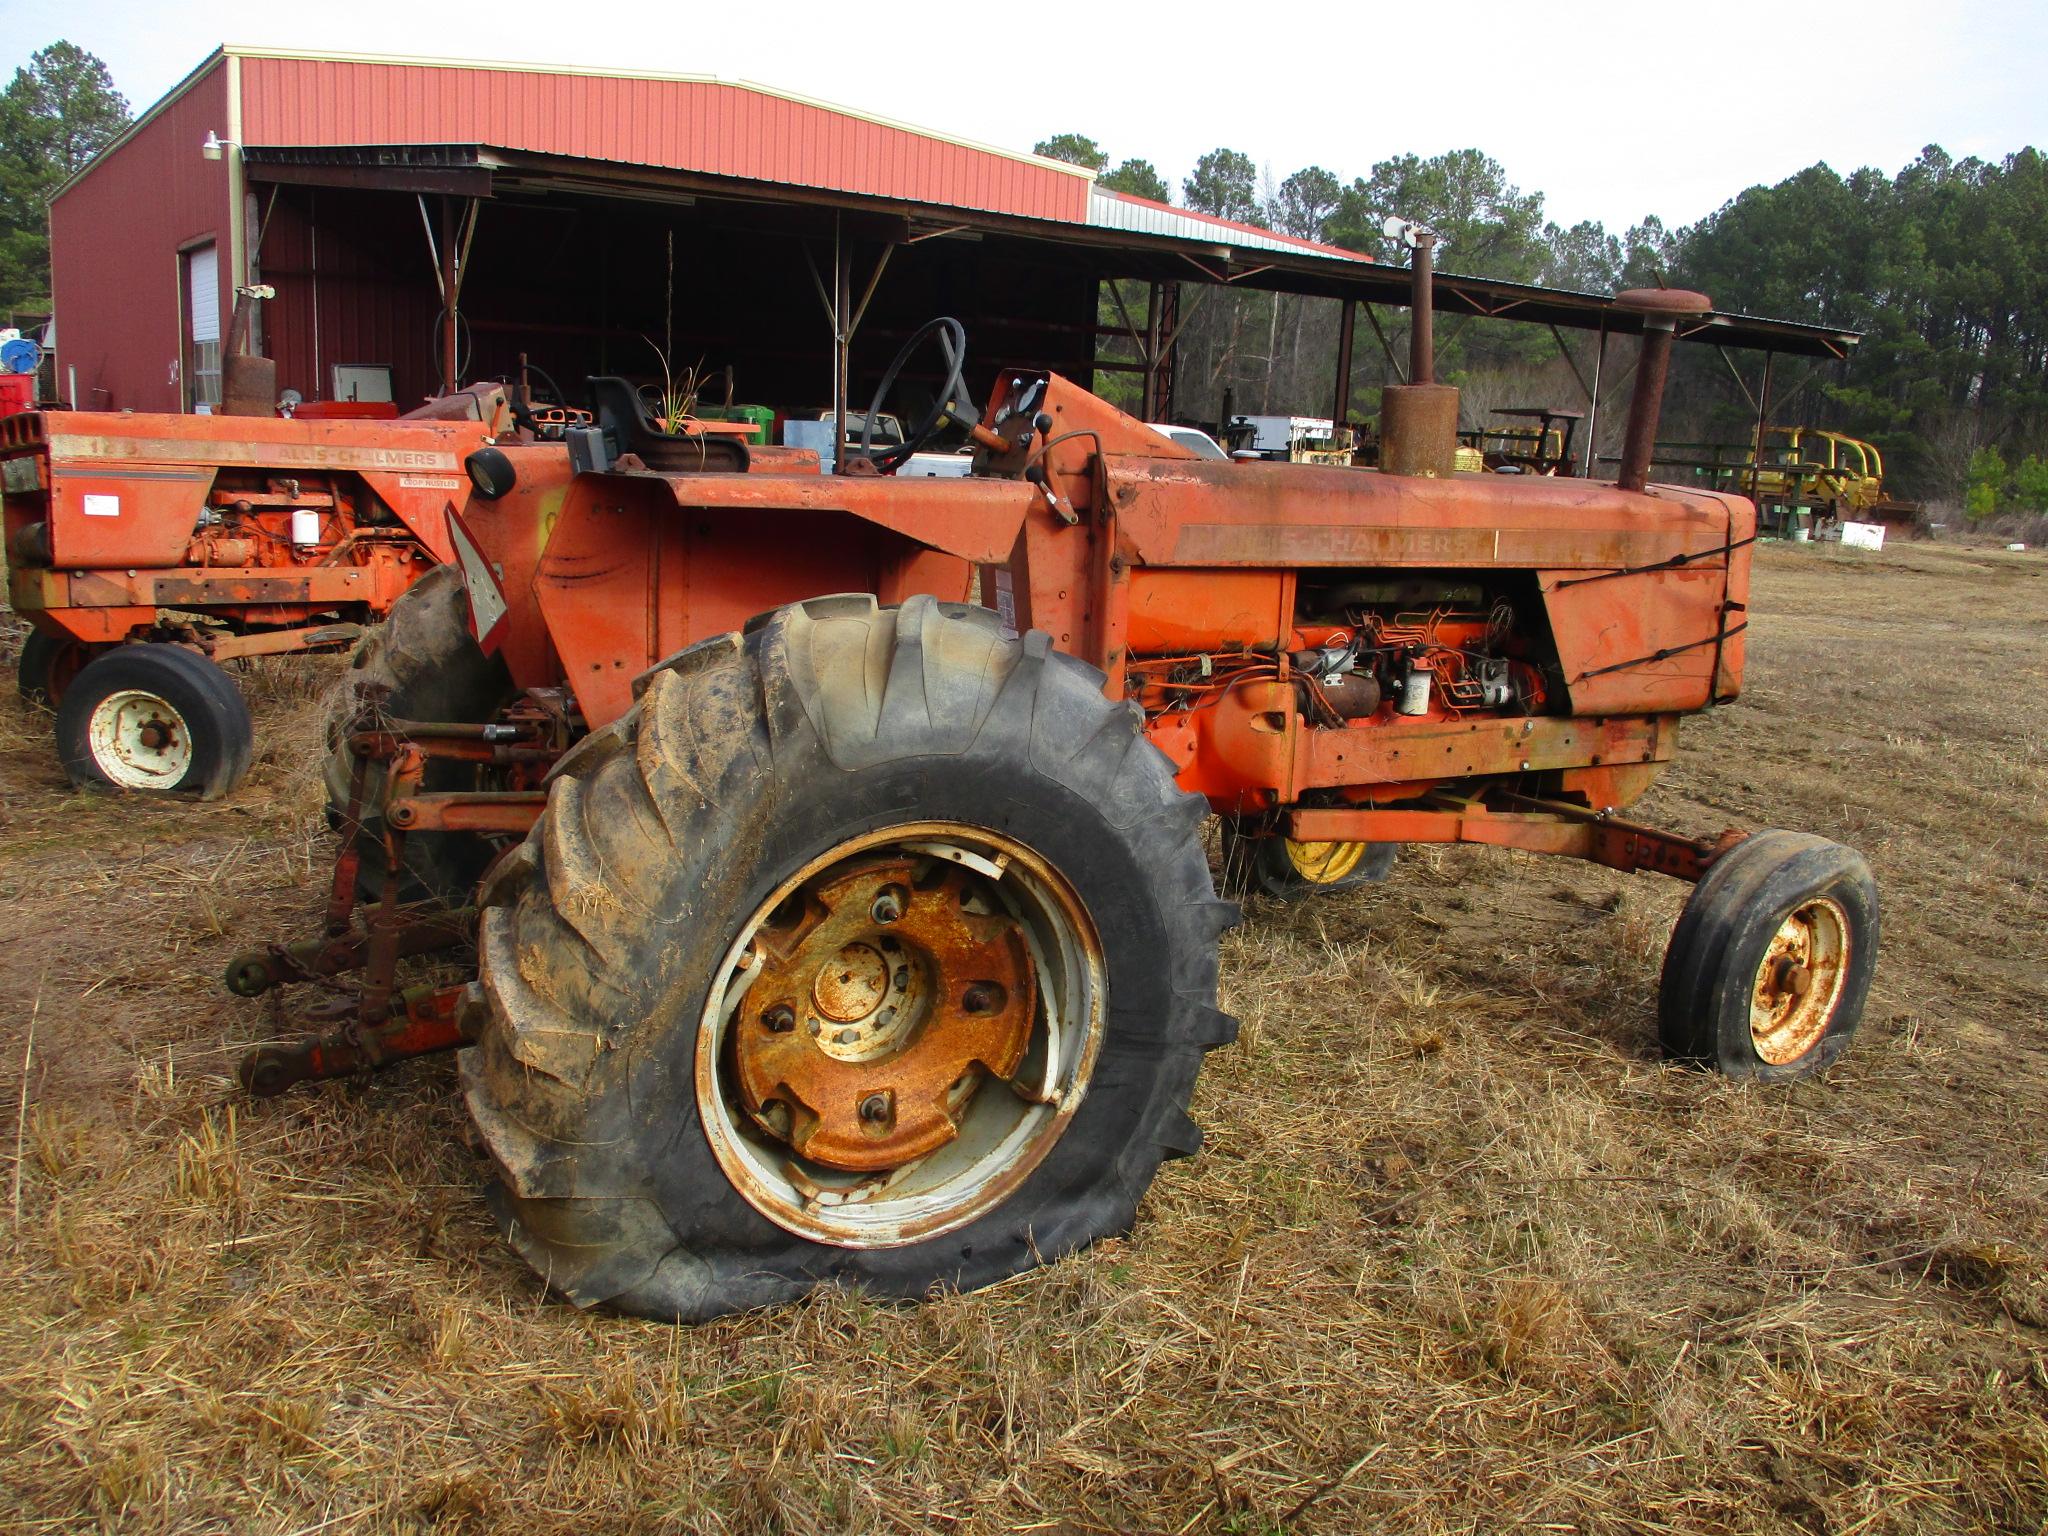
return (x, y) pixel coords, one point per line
(1288, 870)
(156, 718)
(1770, 963)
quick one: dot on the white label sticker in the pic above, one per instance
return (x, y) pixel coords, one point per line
(429, 483)
(102, 506)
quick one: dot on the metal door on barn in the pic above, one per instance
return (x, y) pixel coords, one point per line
(202, 329)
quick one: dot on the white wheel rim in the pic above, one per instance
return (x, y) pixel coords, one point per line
(1798, 983)
(1005, 1128)
(139, 740)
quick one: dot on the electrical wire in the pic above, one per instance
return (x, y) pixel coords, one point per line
(462, 358)
(561, 397)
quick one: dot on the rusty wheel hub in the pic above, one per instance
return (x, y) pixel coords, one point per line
(882, 996)
(900, 1034)
(1799, 982)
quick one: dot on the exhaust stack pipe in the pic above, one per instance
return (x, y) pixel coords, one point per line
(248, 383)
(1422, 309)
(1661, 309)
(1419, 419)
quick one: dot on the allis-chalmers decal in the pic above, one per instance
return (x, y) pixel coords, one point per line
(306, 455)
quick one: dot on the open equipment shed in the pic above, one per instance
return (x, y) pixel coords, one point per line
(441, 219)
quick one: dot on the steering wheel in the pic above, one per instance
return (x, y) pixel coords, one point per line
(950, 404)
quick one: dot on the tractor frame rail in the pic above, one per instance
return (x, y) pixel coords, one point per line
(370, 1022)
(1518, 821)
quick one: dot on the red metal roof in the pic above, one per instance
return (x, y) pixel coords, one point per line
(681, 123)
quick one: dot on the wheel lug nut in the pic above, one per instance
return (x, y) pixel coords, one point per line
(888, 906)
(780, 1019)
(874, 1109)
(978, 999)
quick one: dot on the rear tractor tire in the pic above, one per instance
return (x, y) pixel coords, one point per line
(871, 948)
(155, 718)
(1287, 870)
(47, 666)
(429, 667)
(1770, 963)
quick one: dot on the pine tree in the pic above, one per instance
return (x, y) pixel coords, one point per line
(59, 111)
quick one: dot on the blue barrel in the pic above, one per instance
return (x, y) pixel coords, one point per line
(20, 355)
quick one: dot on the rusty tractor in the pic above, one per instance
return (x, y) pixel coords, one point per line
(146, 550)
(833, 846)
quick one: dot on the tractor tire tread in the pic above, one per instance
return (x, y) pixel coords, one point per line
(569, 1071)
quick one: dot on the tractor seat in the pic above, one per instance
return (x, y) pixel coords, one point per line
(627, 428)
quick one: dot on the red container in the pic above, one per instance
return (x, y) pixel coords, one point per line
(17, 393)
(346, 410)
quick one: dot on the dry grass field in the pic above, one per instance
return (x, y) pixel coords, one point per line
(1461, 1255)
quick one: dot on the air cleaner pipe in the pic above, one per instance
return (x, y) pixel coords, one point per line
(1661, 309)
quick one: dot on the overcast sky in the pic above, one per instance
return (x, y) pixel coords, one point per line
(1611, 111)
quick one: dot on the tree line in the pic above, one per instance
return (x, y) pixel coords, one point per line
(1940, 266)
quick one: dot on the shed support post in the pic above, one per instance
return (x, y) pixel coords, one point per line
(1379, 331)
(1347, 321)
(451, 264)
(1169, 343)
(842, 343)
(1151, 391)
(1763, 406)
(450, 277)
(844, 316)
(1593, 406)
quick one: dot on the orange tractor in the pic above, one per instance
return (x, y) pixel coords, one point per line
(146, 550)
(833, 926)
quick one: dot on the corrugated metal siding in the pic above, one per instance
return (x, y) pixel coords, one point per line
(705, 127)
(354, 285)
(1139, 215)
(114, 242)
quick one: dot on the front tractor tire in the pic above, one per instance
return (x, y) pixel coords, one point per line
(154, 718)
(871, 948)
(1770, 962)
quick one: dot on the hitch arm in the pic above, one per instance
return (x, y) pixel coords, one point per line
(256, 971)
(426, 1019)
